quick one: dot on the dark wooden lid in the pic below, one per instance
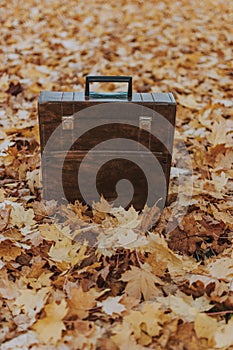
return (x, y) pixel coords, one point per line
(76, 97)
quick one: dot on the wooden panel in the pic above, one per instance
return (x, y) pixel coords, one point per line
(50, 116)
(120, 166)
(158, 97)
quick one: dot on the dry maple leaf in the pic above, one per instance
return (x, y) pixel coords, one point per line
(66, 253)
(126, 218)
(149, 320)
(158, 248)
(219, 134)
(224, 161)
(31, 301)
(144, 324)
(81, 302)
(102, 206)
(141, 282)
(33, 180)
(49, 329)
(9, 251)
(20, 217)
(51, 232)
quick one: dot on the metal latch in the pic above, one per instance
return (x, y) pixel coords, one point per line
(145, 123)
(68, 122)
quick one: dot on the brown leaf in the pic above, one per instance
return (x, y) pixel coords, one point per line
(80, 302)
(141, 282)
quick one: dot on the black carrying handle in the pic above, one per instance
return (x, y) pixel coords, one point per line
(108, 79)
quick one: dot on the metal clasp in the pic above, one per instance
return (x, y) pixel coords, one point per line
(145, 123)
(68, 122)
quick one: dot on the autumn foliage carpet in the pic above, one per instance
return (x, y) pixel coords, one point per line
(60, 289)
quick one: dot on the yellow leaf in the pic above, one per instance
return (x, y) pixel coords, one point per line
(205, 327)
(65, 252)
(147, 321)
(50, 232)
(123, 338)
(21, 217)
(49, 329)
(158, 247)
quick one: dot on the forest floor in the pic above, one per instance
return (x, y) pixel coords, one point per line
(141, 286)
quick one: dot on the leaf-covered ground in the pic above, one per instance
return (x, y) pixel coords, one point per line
(60, 289)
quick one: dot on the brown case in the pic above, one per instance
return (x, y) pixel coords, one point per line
(90, 141)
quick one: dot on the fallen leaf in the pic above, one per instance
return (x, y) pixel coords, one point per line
(206, 327)
(141, 282)
(80, 302)
(49, 328)
(20, 217)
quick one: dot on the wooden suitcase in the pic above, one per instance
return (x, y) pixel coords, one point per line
(118, 145)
